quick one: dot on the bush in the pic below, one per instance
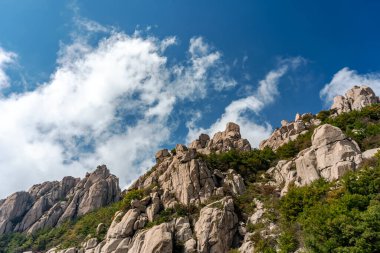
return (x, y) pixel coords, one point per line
(338, 217)
(363, 126)
(298, 199)
(246, 163)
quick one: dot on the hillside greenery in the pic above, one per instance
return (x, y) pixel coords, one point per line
(343, 216)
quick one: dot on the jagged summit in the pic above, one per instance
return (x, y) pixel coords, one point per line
(355, 99)
(50, 203)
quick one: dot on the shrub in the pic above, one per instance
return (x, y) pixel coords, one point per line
(246, 163)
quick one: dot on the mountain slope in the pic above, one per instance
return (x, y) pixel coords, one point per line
(318, 191)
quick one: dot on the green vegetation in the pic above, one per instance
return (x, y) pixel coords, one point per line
(246, 163)
(335, 217)
(363, 126)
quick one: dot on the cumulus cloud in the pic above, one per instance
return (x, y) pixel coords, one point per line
(106, 103)
(6, 58)
(344, 79)
(237, 110)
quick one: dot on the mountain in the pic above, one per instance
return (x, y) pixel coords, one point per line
(312, 186)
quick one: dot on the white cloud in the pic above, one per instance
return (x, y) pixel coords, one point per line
(236, 111)
(110, 103)
(6, 58)
(345, 79)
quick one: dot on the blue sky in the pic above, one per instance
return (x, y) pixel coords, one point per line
(90, 82)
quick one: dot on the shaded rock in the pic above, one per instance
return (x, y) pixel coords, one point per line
(13, 209)
(234, 182)
(161, 154)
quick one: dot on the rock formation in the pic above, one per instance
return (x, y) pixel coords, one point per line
(355, 99)
(289, 131)
(331, 155)
(182, 179)
(47, 204)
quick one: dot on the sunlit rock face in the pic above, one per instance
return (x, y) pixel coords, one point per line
(50, 203)
(354, 99)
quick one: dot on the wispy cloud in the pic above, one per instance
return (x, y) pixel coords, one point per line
(6, 58)
(237, 110)
(344, 79)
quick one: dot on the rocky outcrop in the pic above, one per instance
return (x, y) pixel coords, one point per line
(216, 227)
(355, 99)
(331, 155)
(13, 209)
(289, 131)
(47, 204)
(229, 139)
(184, 178)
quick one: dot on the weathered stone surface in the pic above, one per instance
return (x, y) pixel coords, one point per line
(287, 132)
(156, 239)
(154, 208)
(370, 153)
(234, 182)
(161, 154)
(91, 243)
(355, 99)
(122, 224)
(228, 139)
(216, 227)
(284, 174)
(13, 209)
(331, 155)
(46, 204)
(183, 230)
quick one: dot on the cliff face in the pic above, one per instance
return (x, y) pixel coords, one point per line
(188, 205)
(51, 203)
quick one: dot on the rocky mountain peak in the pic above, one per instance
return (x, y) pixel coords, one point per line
(355, 99)
(226, 140)
(50, 203)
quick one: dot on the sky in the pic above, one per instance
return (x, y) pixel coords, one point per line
(84, 83)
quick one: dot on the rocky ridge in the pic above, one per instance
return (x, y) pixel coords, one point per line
(182, 180)
(355, 99)
(51, 203)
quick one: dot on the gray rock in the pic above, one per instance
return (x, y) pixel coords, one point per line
(156, 239)
(216, 227)
(355, 99)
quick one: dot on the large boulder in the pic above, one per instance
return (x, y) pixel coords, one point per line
(156, 239)
(216, 227)
(331, 155)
